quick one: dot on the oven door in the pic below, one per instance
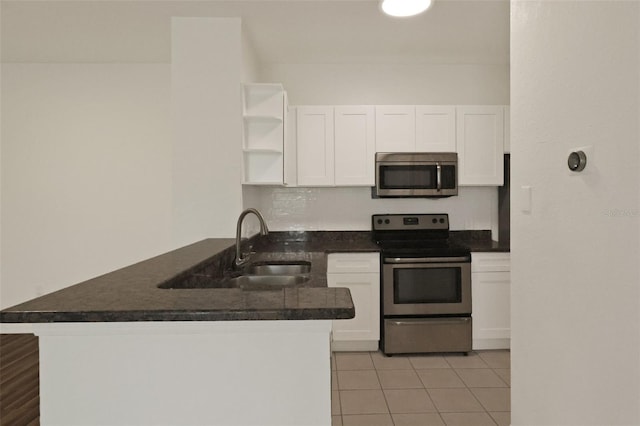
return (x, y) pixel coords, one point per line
(431, 286)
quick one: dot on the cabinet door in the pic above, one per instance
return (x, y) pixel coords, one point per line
(491, 294)
(351, 263)
(315, 146)
(480, 143)
(395, 128)
(365, 292)
(435, 128)
(354, 145)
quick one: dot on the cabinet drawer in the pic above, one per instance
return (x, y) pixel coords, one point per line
(410, 335)
(345, 263)
(490, 262)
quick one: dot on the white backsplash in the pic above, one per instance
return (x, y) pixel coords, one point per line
(341, 209)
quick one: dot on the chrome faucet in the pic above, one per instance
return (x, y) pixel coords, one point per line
(240, 260)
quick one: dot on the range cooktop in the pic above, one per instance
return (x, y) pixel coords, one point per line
(415, 235)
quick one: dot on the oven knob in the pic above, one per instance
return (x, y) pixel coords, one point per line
(441, 220)
(387, 221)
(379, 221)
(434, 220)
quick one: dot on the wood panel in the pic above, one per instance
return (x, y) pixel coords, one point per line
(19, 380)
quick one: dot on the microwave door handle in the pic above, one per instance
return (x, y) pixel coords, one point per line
(438, 177)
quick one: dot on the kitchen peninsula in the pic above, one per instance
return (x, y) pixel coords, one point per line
(133, 347)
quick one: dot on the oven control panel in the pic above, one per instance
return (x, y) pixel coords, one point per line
(408, 222)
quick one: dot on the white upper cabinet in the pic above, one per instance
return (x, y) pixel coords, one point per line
(422, 128)
(315, 145)
(480, 145)
(354, 145)
(435, 128)
(395, 128)
(336, 145)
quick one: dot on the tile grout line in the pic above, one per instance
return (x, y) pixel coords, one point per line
(382, 390)
(335, 360)
(415, 370)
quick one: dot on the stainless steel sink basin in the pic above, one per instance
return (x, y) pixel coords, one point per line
(279, 268)
(267, 282)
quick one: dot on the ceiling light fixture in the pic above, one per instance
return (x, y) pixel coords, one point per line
(403, 8)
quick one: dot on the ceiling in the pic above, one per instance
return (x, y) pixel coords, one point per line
(290, 31)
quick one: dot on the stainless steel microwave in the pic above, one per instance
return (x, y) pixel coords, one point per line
(416, 174)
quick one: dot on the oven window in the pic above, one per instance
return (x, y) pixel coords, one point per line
(408, 177)
(427, 285)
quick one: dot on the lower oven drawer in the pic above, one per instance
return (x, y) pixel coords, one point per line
(421, 335)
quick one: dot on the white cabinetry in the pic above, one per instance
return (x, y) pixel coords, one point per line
(435, 128)
(354, 145)
(480, 143)
(360, 272)
(395, 128)
(335, 146)
(315, 145)
(264, 132)
(490, 295)
(421, 128)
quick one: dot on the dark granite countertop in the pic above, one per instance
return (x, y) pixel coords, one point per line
(132, 293)
(479, 241)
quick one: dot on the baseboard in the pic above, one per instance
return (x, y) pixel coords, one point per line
(486, 344)
(354, 345)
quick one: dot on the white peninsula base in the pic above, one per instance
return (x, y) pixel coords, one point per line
(185, 373)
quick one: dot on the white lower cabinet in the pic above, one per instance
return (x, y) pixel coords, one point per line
(360, 273)
(491, 300)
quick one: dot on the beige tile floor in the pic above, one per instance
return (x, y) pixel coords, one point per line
(423, 390)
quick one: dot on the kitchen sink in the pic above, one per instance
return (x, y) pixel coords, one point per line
(262, 275)
(279, 268)
(245, 282)
(267, 282)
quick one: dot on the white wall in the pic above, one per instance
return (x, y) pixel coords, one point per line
(86, 172)
(206, 72)
(250, 62)
(575, 82)
(376, 84)
(289, 209)
(104, 165)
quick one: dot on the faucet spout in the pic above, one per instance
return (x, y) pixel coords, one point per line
(240, 258)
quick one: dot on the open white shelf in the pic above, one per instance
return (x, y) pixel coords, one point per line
(263, 99)
(264, 106)
(263, 167)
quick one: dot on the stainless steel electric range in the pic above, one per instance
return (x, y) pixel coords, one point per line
(425, 285)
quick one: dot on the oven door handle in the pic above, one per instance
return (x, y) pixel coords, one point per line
(419, 321)
(402, 260)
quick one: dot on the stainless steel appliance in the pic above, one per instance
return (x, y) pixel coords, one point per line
(416, 174)
(425, 285)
